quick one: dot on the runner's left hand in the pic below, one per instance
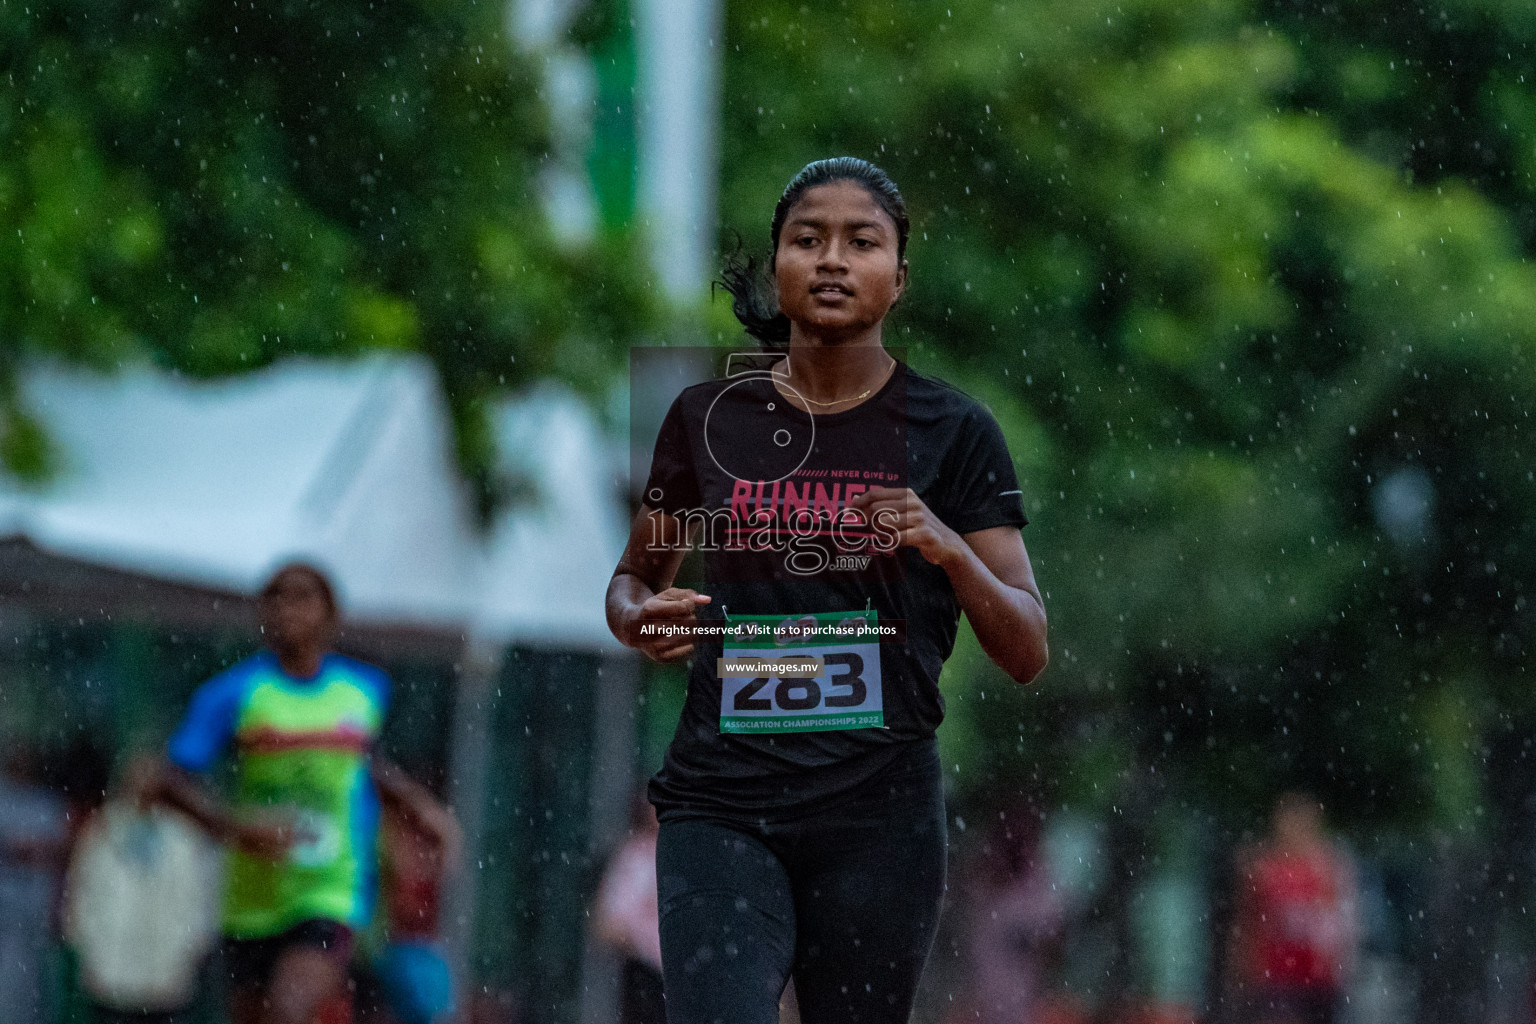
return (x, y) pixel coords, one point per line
(915, 522)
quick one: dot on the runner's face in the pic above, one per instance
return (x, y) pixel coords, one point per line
(295, 613)
(836, 267)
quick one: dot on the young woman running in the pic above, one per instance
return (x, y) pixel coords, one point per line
(802, 821)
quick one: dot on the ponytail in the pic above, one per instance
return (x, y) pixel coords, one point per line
(755, 300)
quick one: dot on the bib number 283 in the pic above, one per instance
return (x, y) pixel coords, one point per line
(846, 695)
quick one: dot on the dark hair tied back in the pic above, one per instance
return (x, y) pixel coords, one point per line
(755, 300)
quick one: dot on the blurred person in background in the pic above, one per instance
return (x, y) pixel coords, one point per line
(420, 844)
(1295, 928)
(1015, 915)
(301, 872)
(802, 830)
(141, 906)
(34, 843)
(626, 917)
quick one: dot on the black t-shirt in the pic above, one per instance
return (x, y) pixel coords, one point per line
(765, 482)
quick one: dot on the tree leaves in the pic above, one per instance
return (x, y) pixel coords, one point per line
(213, 186)
(1194, 256)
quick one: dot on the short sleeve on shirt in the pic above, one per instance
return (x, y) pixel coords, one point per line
(375, 679)
(983, 489)
(672, 486)
(210, 722)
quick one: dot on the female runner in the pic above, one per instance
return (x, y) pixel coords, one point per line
(802, 821)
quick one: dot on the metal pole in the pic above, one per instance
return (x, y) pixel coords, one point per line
(677, 44)
(615, 739)
(468, 767)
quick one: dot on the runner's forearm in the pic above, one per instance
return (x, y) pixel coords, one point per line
(1009, 621)
(626, 593)
(417, 803)
(178, 789)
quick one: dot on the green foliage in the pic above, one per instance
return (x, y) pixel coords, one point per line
(1219, 269)
(213, 186)
(1223, 270)
(23, 445)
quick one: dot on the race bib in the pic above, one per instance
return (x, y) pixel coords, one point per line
(317, 840)
(844, 694)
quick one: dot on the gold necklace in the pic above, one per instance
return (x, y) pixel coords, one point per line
(855, 398)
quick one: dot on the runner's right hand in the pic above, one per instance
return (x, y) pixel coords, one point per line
(673, 606)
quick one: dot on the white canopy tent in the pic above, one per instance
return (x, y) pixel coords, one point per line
(551, 554)
(192, 486)
(212, 485)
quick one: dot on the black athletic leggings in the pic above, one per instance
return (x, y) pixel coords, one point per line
(847, 901)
